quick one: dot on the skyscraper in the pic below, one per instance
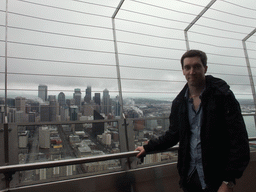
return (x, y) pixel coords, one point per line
(52, 108)
(64, 113)
(88, 108)
(61, 99)
(20, 117)
(51, 98)
(106, 102)
(1, 113)
(44, 112)
(42, 92)
(117, 106)
(20, 103)
(31, 117)
(73, 113)
(44, 137)
(97, 128)
(12, 115)
(10, 102)
(97, 101)
(97, 98)
(77, 97)
(88, 94)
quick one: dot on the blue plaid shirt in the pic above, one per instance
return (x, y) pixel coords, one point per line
(195, 140)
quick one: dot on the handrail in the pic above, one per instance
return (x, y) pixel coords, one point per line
(85, 121)
(30, 166)
(93, 121)
(248, 114)
(64, 122)
(252, 139)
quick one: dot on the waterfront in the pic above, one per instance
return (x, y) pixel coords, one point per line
(250, 125)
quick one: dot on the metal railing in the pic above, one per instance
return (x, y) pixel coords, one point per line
(9, 170)
(29, 166)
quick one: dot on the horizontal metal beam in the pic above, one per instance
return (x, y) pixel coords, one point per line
(252, 139)
(63, 122)
(30, 166)
(248, 114)
(93, 121)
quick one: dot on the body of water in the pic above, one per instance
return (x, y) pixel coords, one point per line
(250, 125)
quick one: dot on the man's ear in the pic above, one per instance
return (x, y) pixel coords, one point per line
(205, 69)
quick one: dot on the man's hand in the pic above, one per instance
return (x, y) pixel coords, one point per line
(141, 153)
(224, 188)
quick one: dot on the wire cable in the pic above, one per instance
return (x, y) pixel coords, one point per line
(58, 21)
(217, 10)
(85, 25)
(191, 31)
(128, 11)
(114, 91)
(113, 65)
(231, 3)
(111, 78)
(109, 52)
(126, 42)
(100, 5)
(148, 4)
(63, 9)
(57, 75)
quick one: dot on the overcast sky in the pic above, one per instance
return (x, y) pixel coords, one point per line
(67, 44)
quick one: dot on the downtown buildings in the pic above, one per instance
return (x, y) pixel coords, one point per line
(43, 141)
(50, 108)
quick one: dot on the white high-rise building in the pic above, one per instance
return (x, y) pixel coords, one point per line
(151, 124)
(20, 117)
(23, 139)
(106, 139)
(44, 137)
(42, 174)
(20, 103)
(69, 170)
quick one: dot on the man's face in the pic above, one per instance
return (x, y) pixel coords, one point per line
(194, 71)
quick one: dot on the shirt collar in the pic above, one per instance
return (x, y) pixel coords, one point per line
(187, 94)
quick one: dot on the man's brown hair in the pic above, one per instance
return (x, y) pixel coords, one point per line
(194, 53)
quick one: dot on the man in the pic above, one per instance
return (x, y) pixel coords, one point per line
(206, 120)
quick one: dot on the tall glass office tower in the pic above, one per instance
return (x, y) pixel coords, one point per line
(42, 92)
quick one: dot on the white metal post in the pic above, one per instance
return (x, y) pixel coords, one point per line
(117, 58)
(195, 20)
(6, 134)
(249, 69)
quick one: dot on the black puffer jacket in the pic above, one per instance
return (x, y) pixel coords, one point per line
(224, 139)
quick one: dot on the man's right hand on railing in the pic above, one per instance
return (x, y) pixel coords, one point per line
(142, 152)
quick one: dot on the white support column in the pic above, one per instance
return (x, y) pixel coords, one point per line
(6, 131)
(117, 58)
(6, 32)
(195, 20)
(249, 69)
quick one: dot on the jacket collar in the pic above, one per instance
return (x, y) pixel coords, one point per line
(212, 83)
